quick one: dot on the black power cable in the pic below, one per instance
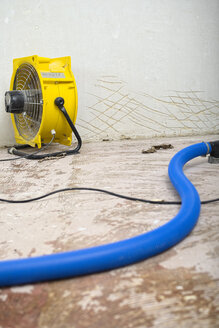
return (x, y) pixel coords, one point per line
(59, 102)
(27, 156)
(159, 202)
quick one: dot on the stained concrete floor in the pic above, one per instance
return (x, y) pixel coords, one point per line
(178, 288)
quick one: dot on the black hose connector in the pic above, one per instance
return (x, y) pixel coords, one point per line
(59, 102)
(214, 148)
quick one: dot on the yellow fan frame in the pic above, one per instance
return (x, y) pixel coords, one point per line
(56, 80)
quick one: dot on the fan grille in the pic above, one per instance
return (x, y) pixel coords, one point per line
(28, 122)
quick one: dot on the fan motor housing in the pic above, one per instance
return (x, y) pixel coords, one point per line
(40, 81)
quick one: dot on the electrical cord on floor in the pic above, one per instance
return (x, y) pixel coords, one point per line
(121, 253)
(159, 202)
(25, 155)
(59, 102)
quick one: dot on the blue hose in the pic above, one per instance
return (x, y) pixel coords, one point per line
(118, 254)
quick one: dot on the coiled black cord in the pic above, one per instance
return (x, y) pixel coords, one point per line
(15, 150)
(12, 150)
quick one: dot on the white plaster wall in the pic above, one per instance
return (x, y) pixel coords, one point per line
(143, 68)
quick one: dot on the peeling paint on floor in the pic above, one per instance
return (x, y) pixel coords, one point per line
(178, 288)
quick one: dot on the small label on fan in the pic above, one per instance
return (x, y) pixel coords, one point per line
(52, 75)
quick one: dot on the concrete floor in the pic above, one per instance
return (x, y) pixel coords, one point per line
(178, 288)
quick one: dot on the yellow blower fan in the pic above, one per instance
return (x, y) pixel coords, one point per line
(39, 88)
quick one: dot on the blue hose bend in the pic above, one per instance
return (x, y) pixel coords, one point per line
(118, 254)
